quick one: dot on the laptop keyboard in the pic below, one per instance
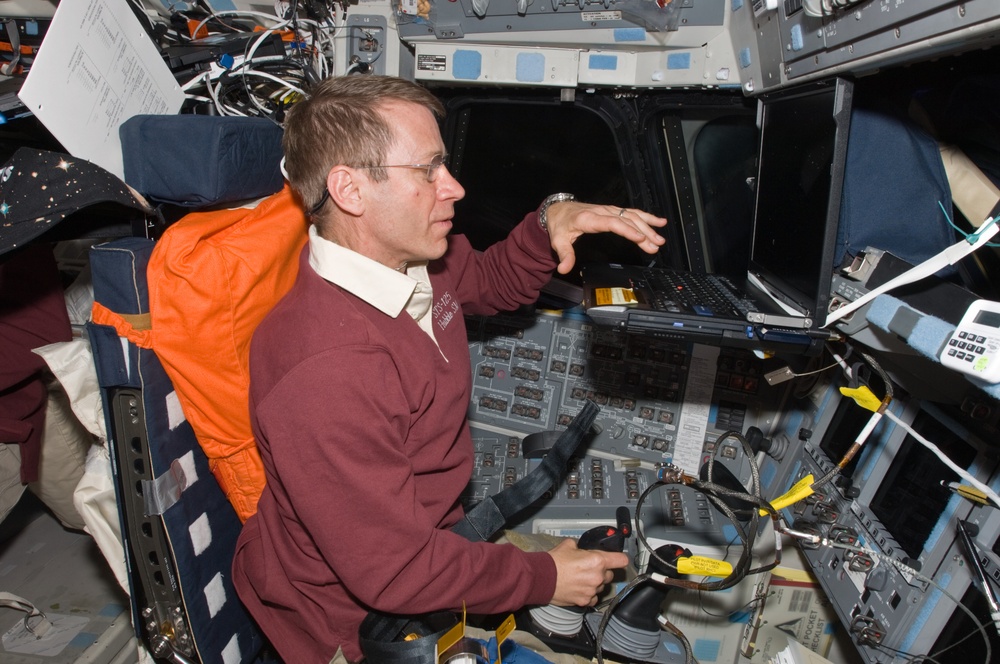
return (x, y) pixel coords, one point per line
(705, 295)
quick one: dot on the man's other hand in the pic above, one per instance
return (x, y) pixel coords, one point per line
(569, 220)
(581, 574)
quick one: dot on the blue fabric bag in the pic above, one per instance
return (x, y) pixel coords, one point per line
(894, 188)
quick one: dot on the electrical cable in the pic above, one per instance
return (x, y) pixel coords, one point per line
(877, 413)
(747, 534)
(801, 389)
(200, 79)
(713, 492)
(272, 77)
(222, 109)
(214, 15)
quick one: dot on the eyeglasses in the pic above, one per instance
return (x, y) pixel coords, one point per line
(430, 172)
(431, 168)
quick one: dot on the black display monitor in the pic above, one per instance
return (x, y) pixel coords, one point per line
(912, 496)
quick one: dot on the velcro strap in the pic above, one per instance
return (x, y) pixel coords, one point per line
(389, 639)
(488, 517)
(137, 328)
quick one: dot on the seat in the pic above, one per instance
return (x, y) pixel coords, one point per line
(179, 528)
(170, 333)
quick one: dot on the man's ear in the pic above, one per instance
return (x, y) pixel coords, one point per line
(344, 190)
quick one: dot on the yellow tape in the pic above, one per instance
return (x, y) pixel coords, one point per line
(863, 397)
(452, 636)
(792, 574)
(701, 566)
(502, 632)
(614, 296)
(801, 489)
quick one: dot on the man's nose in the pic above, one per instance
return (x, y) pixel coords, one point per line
(448, 186)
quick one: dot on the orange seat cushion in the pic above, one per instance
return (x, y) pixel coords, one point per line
(213, 276)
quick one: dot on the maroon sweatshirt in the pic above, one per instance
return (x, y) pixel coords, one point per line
(361, 424)
(32, 314)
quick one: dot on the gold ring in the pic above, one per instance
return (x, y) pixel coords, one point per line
(621, 213)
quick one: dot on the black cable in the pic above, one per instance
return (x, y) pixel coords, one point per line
(747, 534)
(612, 605)
(712, 491)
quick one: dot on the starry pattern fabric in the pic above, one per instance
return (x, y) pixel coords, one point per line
(39, 189)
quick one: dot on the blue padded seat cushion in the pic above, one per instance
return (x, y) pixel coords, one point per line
(201, 160)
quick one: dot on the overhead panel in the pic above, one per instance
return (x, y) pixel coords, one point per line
(633, 43)
(803, 39)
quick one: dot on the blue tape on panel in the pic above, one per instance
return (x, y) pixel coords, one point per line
(111, 610)
(679, 61)
(630, 35)
(672, 647)
(706, 650)
(797, 41)
(603, 61)
(745, 59)
(82, 640)
(467, 65)
(530, 68)
(794, 424)
(767, 475)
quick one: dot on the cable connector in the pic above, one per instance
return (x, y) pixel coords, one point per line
(779, 376)
(809, 538)
(670, 474)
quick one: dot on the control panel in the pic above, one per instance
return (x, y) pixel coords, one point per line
(814, 41)
(367, 35)
(660, 402)
(468, 18)
(795, 40)
(886, 551)
(567, 43)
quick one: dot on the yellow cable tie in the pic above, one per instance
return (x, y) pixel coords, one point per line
(801, 489)
(863, 396)
(967, 492)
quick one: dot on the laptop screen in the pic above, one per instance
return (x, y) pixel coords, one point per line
(803, 149)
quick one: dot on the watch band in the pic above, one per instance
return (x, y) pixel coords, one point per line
(543, 220)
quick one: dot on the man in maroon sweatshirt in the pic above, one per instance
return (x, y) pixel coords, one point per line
(32, 314)
(360, 380)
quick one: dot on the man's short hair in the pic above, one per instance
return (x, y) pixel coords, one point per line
(340, 123)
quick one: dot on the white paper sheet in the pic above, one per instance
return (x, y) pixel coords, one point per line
(693, 423)
(96, 68)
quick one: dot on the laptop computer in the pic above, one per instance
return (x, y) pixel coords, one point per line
(783, 301)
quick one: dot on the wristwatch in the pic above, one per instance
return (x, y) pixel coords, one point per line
(554, 198)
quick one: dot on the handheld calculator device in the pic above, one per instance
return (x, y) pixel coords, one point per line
(974, 346)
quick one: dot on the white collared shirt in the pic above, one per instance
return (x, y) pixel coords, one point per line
(382, 287)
